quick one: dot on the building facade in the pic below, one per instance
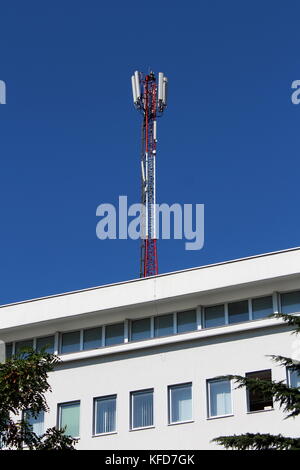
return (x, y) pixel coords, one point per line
(143, 362)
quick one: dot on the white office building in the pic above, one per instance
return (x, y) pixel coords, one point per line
(141, 360)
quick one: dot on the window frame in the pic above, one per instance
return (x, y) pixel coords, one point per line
(261, 297)
(104, 327)
(174, 327)
(151, 328)
(248, 394)
(280, 300)
(101, 339)
(204, 315)
(170, 387)
(36, 338)
(178, 312)
(288, 376)
(24, 412)
(60, 341)
(59, 409)
(104, 397)
(131, 408)
(208, 382)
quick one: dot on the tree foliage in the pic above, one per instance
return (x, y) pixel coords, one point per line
(287, 397)
(23, 384)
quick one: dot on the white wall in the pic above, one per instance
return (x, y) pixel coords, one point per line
(167, 365)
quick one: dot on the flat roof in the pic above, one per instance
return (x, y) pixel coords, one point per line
(143, 279)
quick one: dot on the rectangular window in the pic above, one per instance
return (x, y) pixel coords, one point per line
(140, 329)
(262, 307)
(290, 302)
(46, 343)
(186, 321)
(293, 378)
(163, 325)
(257, 400)
(214, 316)
(70, 342)
(142, 409)
(92, 338)
(219, 397)
(105, 414)
(8, 350)
(68, 416)
(36, 422)
(238, 311)
(180, 403)
(20, 345)
(114, 334)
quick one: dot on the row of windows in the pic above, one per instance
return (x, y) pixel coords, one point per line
(163, 325)
(219, 401)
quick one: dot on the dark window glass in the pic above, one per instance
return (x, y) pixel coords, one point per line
(262, 307)
(290, 302)
(92, 338)
(140, 329)
(70, 342)
(258, 400)
(238, 311)
(186, 321)
(8, 350)
(214, 316)
(163, 325)
(20, 345)
(114, 334)
(46, 343)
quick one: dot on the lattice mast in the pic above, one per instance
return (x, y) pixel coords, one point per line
(150, 99)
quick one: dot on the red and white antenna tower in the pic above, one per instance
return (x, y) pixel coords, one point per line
(150, 99)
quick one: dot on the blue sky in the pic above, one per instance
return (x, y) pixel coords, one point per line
(69, 134)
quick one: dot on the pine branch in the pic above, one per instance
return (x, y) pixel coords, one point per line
(258, 441)
(287, 397)
(286, 362)
(291, 320)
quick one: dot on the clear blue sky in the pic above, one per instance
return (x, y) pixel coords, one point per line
(69, 134)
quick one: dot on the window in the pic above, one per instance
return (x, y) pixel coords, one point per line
(163, 325)
(262, 307)
(8, 350)
(36, 422)
(141, 409)
(293, 378)
(114, 334)
(258, 401)
(140, 329)
(214, 316)
(47, 343)
(186, 321)
(68, 415)
(290, 302)
(219, 397)
(26, 344)
(105, 414)
(238, 311)
(70, 342)
(180, 403)
(92, 338)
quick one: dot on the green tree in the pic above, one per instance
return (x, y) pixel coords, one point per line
(23, 384)
(287, 397)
